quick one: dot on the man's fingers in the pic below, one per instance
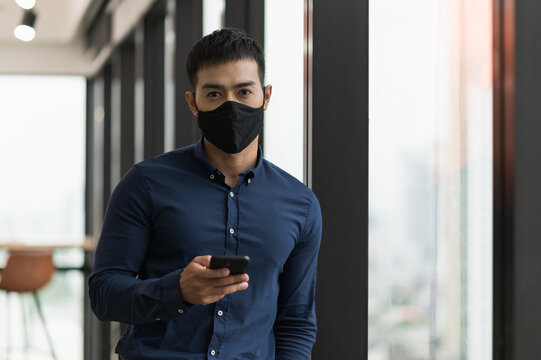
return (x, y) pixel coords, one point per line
(229, 289)
(203, 262)
(217, 293)
(201, 285)
(229, 280)
(214, 273)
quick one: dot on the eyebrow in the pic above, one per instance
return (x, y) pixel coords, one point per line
(221, 87)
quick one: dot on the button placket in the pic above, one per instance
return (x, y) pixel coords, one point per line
(219, 326)
(232, 215)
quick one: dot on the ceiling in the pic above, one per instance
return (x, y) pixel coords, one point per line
(57, 21)
(59, 47)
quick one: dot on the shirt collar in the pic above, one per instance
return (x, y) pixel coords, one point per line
(249, 174)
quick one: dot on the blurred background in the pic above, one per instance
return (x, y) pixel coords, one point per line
(88, 88)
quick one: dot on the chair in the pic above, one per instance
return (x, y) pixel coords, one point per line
(29, 271)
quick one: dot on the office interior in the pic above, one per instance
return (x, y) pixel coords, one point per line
(416, 124)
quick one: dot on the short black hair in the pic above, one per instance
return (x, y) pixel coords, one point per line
(222, 46)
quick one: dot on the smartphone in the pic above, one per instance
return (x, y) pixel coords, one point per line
(235, 264)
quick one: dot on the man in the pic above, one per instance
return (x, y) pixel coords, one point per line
(216, 197)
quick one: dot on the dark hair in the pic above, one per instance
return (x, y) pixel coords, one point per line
(223, 46)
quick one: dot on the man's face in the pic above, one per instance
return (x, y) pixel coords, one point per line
(232, 81)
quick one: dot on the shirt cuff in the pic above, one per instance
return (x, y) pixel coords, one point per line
(171, 299)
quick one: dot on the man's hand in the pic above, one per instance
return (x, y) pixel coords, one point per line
(202, 286)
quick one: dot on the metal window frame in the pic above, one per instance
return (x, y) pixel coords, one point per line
(503, 177)
(189, 30)
(248, 15)
(339, 140)
(127, 100)
(517, 175)
(96, 344)
(154, 75)
(107, 102)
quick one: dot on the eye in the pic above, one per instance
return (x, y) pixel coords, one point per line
(213, 94)
(245, 92)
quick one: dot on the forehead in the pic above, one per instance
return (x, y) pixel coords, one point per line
(229, 73)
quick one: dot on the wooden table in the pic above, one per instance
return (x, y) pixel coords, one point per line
(87, 245)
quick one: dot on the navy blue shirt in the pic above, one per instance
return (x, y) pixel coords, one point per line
(171, 208)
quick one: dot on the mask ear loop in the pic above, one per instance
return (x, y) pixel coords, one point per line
(196, 108)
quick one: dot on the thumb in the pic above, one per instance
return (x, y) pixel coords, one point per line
(202, 260)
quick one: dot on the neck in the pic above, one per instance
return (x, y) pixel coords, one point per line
(231, 165)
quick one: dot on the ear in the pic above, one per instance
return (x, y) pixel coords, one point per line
(190, 99)
(268, 93)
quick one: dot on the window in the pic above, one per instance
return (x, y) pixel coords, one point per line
(430, 205)
(213, 15)
(42, 124)
(284, 58)
(42, 157)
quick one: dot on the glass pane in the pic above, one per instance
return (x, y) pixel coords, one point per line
(430, 205)
(213, 15)
(42, 144)
(284, 57)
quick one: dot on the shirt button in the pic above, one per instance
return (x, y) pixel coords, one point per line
(212, 176)
(231, 231)
(180, 311)
(212, 352)
(231, 194)
(249, 181)
(220, 312)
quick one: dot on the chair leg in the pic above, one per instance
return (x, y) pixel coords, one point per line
(38, 305)
(8, 332)
(25, 327)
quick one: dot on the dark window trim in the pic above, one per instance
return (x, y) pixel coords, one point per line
(517, 175)
(503, 179)
(127, 112)
(248, 15)
(189, 30)
(107, 80)
(340, 175)
(89, 158)
(154, 75)
(96, 345)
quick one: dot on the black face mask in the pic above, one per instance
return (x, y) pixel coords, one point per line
(232, 126)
